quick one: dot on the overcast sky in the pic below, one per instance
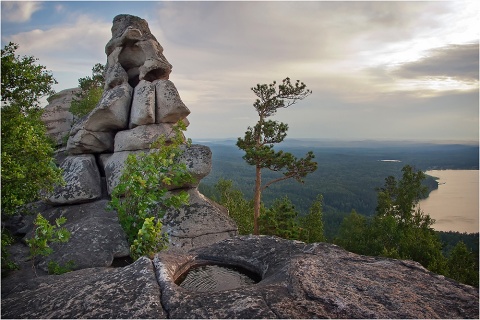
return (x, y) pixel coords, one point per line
(378, 70)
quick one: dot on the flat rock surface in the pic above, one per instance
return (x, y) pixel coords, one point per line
(298, 280)
(129, 292)
(313, 281)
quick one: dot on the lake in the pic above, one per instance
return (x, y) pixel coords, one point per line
(454, 205)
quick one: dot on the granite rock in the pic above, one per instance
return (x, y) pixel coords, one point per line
(122, 293)
(312, 281)
(82, 181)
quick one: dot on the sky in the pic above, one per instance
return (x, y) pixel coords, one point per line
(380, 70)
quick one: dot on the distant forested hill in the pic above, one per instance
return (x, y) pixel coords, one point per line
(348, 172)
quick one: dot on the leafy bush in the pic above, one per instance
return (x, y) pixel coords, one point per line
(150, 239)
(55, 268)
(7, 263)
(142, 192)
(45, 233)
(27, 152)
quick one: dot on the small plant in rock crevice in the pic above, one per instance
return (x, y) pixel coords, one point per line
(142, 195)
(56, 268)
(45, 233)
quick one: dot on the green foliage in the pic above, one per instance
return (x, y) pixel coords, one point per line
(142, 190)
(150, 239)
(24, 82)
(312, 224)
(399, 230)
(45, 233)
(27, 153)
(7, 263)
(353, 232)
(259, 141)
(238, 207)
(55, 268)
(462, 265)
(86, 101)
(91, 93)
(281, 220)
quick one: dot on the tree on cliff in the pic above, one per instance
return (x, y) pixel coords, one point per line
(399, 229)
(259, 141)
(27, 152)
(91, 93)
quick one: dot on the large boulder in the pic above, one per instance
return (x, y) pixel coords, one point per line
(200, 223)
(311, 281)
(113, 110)
(143, 105)
(82, 181)
(142, 137)
(141, 56)
(85, 141)
(57, 116)
(170, 107)
(97, 293)
(96, 236)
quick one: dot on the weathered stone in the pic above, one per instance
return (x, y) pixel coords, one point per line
(102, 161)
(122, 293)
(311, 281)
(155, 65)
(127, 29)
(115, 76)
(196, 157)
(96, 236)
(200, 223)
(113, 110)
(141, 55)
(142, 137)
(143, 105)
(170, 107)
(82, 181)
(57, 117)
(85, 141)
(114, 166)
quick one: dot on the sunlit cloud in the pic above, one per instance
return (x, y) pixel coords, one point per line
(74, 47)
(19, 11)
(375, 68)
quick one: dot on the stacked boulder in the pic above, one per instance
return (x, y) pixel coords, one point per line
(139, 104)
(57, 116)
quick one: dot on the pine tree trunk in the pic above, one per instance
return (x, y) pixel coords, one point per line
(258, 191)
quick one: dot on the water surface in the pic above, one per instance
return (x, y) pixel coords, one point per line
(208, 278)
(454, 205)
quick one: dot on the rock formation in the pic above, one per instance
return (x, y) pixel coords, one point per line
(57, 116)
(139, 104)
(298, 280)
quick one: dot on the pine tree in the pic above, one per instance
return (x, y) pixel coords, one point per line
(259, 141)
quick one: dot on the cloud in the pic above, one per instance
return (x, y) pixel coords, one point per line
(459, 62)
(74, 47)
(16, 11)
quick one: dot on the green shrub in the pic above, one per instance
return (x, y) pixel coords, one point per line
(142, 192)
(44, 234)
(7, 263)
(55, 268)
(150, 239)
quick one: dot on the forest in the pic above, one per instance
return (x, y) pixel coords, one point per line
(347, 177)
